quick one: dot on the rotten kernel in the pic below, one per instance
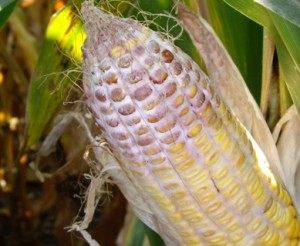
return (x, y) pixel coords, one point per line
(135, 76)
(153, 47)
(177, 68)
(127, 109)
(117, 94)
(111, 78)
(100, 95)
(159, 76)
(170, 89)
(142, 92)
(125, 61)
(167, 56)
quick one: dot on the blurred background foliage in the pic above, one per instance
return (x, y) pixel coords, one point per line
(40, 75)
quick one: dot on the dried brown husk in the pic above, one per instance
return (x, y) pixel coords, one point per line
(287, 137)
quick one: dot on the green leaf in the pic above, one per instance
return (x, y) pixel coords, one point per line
(289, 10)
(6, 8)
(286, 38)
(50, 81)
(154, 238)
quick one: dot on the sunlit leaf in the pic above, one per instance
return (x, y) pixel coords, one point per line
(51, 80)
(6, 8)
(289, 10)
(286, 37)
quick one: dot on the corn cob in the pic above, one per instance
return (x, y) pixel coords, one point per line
(192, 161)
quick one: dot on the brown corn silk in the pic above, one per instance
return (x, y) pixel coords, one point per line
(192, 163)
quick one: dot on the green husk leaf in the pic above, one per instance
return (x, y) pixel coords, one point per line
(286, 37)
(6, 8)
(51, 80)
(289, 10)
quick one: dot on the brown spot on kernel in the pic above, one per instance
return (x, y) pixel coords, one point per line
(170, 89)
(111, 78)
(141, 130)
(151, 104)
(105, 65)
(149, 61)
(188, 119)
(153, 47)
(166, 126)
(167, 56)
(159, 76)
(141, 93)
(112, 122)
(177, 68)
(171, 138)
(152, 150)
(145, 140)
(135, 76)
(100, 96)
(139, 51)
(127, 109)
(186, 80)
(133, 121)
(106, 110)
(125, 61)
(188, 65)
(184, 111)
(120, 135)
(117, 94)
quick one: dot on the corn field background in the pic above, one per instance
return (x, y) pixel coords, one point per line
(42, 178)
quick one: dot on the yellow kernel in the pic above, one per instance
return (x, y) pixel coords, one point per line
(117, 51)
(232, 190)
(212, 157)
(206, 197)
(174, 217)
(270, 238)
(194, 130)
(192, 91)
(178, 101)
(176, 147)
(255, 224)
(201, 139)
(233, 226)
(206, 111)
(220, 174)
(131, 43)
(186, 164)
(162, 170)
(293, 229)
(178, 194)
(237, 236)
(151, 104)
(217, 240)
(213, 207)
(180, 156)
(195, 218)
(158, 161)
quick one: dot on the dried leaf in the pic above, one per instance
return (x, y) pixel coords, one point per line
(230, 84)
(287, 137)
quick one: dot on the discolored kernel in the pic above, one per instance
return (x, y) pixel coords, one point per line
(118, 94)
(167, 56)
(142, 92)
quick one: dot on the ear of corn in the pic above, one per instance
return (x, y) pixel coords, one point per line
(193, 163)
